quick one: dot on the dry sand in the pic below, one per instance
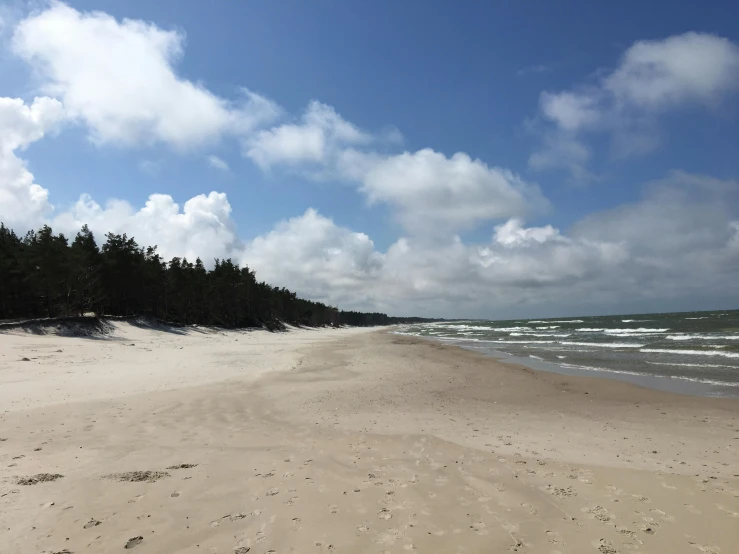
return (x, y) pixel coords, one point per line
(346, 441)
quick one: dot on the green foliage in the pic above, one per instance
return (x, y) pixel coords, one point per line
(42, 275)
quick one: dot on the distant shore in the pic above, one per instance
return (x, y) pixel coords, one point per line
(346, 440)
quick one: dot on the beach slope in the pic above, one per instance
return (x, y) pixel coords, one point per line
(347, 440)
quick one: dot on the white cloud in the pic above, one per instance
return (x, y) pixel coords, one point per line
(23, 203)
(312, 253)
(118, 77)
(679, 242)
(434, 194)
(316, 139)
(652, 77)
(569, 110)
(512, 233)
(203, 227)
(658, 74)
(217, 163)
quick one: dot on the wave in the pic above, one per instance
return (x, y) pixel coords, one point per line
(702, 337)
(704, 317)
(706, 381)
(591, 368)
(691, 352)
(505, 341)
(555, 321)
(547, 326)
(682, 378)
(508, 329)
(639, 331)
(635, 320)
(560, 335)
(603, 344)
(693, 365)
(459, 326)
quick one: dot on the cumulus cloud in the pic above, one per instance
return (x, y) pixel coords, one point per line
(658, 74)
(317, 138)
(312, 253)
(203, 227)
(652, 77)
(680, 239)
(435, 194)
(23, 203)
(119, 78)
(512, 233)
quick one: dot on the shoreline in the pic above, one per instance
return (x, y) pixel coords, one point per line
(675, 385)
(351, 440)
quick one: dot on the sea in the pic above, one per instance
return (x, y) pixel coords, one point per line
(686, 352)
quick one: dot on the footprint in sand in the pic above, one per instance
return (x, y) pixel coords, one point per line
(599, 513)
(261, 536)
(628, 533)
(228, 517)
(384, 514)
(479, 528)
(561, 492)
(554, 537)
(134, 542)
(273, 492)
(605, 547)
(91, 523)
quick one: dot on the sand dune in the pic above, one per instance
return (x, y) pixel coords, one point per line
(346, 441)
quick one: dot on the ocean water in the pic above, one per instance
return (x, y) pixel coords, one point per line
(691, 352)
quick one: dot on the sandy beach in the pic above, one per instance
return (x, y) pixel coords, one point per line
(346, 440)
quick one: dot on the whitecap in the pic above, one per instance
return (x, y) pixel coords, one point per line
(604, 344)
(693, 365)
(691, 352)
(560, 335)
(702, 337)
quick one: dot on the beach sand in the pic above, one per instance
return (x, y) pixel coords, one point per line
(347, 440)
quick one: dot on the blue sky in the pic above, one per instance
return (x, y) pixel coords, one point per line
(564, 114)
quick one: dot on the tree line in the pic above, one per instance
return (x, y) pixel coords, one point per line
(43, 275)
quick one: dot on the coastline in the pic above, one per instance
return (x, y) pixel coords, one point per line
(350, 440)
(655, 382)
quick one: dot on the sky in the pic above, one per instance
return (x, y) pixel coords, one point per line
(466, 159)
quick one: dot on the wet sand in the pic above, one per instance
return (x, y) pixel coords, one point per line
(347, 441)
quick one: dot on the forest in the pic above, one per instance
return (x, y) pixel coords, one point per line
(43, 275)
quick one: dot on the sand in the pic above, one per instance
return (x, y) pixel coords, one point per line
(346, 440)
